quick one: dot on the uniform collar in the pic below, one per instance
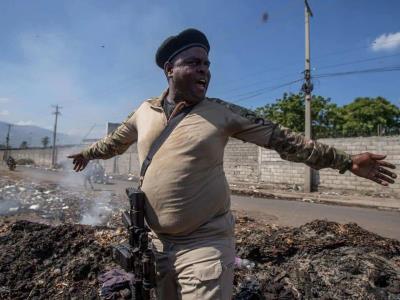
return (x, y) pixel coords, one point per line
(156, 103)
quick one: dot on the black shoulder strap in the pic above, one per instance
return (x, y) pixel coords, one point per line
(161, 139)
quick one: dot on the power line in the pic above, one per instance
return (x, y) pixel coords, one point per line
(265, 90)
(317, 58)
(90, 130)
(323, 67)
(375, 70)
(259, 92)
(252, 84)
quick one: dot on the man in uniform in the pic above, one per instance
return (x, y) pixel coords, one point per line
(188, 198)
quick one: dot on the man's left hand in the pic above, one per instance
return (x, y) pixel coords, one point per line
(373, 167)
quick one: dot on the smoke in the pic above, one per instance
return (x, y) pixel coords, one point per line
(69, 177)
(8, 206)
(9, 202)
(99, 210)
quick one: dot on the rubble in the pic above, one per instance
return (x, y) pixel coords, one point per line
(39, 261)
(319, 260)
(62, 259)
(54, 204)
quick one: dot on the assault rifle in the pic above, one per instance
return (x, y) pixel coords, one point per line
(136, 257)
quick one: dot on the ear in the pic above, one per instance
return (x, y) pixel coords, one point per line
(168, 69)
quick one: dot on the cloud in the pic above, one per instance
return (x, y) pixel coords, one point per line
(25, 123)
(4, 100)
(4, 112)
(386, 41)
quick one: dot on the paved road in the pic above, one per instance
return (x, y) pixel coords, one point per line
(280, 212)
(296, 213)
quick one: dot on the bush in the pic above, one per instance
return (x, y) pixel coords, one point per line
(25, 161)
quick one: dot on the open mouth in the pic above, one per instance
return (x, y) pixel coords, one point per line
(202, 83)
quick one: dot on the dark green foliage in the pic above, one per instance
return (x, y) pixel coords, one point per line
(24, 145)
(45, 141)
(362, 117)
(370, 116)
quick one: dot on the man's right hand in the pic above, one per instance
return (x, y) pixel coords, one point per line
(79, 161)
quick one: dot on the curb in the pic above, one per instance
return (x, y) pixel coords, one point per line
(308, 198)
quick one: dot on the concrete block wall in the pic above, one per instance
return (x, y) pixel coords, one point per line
(275, 171)
(244, 162)
(253, 165)
(43, 156)
(382, 145)
(126, 163)
(271, 170)
(241, 162)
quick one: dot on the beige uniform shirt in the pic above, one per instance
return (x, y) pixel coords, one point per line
(185, 184)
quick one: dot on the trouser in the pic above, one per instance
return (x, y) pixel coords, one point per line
(88, 179)
(201, 269)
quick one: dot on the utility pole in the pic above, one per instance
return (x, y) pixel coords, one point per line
(307, 89)
(54, 152)
(7, 142)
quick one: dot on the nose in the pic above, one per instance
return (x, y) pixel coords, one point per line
(203, 68)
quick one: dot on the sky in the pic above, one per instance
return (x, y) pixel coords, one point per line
(96, 58)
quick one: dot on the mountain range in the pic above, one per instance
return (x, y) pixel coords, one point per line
(33, 135)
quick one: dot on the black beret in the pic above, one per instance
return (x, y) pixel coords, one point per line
(178, 43)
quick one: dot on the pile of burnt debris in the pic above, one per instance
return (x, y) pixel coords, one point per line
(320, 260)
(55, 256)
(39, 261)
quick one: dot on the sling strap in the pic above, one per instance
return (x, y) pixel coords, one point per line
(161, 139)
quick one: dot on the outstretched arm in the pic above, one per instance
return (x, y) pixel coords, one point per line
(114, 144)
(295, 147)
(245, 125)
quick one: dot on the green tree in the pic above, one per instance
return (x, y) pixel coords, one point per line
(370, 116)
(45, 141)
(24, 145)
(289, 112)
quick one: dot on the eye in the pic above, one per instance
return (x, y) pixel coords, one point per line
(192, 63)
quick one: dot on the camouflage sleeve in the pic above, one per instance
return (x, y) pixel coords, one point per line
(115, 143)
(246, 126)
(295, 147)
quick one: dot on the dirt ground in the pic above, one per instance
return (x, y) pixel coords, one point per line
(48, 253)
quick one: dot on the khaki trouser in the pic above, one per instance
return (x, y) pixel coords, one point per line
(201, 269)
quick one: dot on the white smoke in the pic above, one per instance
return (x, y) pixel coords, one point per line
(99, 210)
